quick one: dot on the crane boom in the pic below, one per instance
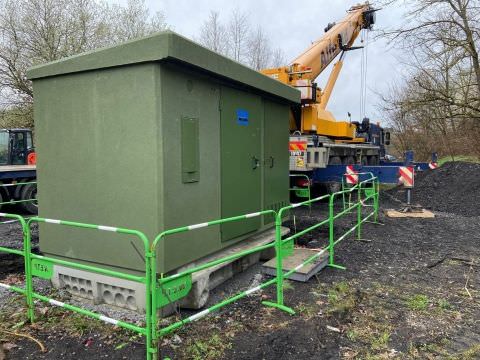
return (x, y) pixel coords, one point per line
(339, 37)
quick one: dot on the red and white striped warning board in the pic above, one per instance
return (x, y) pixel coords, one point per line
(407, 174)
(433, 165)
(351, 175)
(298, 145)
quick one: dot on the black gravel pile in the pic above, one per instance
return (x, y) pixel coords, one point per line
(452, 188)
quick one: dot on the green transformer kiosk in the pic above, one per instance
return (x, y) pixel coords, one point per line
(154, 134)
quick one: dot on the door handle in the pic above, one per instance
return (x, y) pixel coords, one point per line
(255, 163)
(272, 163)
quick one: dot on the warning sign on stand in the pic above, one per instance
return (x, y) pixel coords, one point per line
(407, 174)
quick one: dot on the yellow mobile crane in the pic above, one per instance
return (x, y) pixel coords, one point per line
(317, 139)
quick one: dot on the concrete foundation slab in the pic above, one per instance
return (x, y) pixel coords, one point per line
(299, 256)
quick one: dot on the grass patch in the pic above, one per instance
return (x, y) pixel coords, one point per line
(444, 304)
(469, 354)
(352, 335)
(417, 302)
(207, 349)
(472, 159)
(381, 341)
(306, 310)
(341, 299)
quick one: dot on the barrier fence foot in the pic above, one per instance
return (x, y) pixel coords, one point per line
(335, 266)
(278, 306)
(364, 240)
(375, 223)
(152, 353)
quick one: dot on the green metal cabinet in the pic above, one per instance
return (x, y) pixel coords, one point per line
(154, 134)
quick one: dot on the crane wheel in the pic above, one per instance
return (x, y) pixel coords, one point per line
(29, 192)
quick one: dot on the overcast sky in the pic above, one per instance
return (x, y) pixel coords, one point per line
(292, 26)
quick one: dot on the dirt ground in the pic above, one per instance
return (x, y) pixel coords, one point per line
(411, 292)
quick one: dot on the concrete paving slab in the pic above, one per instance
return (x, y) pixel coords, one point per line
(291, 262)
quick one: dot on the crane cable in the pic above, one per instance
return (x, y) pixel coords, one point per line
(362, 63)
(363, 73)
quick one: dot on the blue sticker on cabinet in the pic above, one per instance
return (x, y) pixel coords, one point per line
(242, 117)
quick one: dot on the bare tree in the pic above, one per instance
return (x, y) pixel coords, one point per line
(448, 23)
(38, 31)
(134, 20)
(238, 33)
(259, 52)
(430, 110)
(278, 58)
(237, 41)
(438, 105)
(213, 34)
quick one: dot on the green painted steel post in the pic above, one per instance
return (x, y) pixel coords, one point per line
(153, 294)
(376, 200)
(150, 326)
(330, 230)
(359, 212)
(278, 250)
(27, 247)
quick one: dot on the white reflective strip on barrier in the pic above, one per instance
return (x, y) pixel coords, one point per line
(316, 255)
(299, 267)
(56, 303)
(197, 226)
(5, 286)
(252, 290)
(108, 320)
(199, 315)
(8, 221)
(107, 228)
(52, 221)
(252, 215)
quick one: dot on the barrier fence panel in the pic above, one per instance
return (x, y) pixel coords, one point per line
(284, 247)
(42, 266)
(330, 220)
(371, 193)
(161, 297)
(17, 184)
(347, 183)
(25, 253)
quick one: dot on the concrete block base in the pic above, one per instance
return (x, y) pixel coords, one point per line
(101, 289)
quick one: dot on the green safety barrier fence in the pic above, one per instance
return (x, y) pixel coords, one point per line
(17, 201)
(345, 186)
(163, 296)
(161, 289)
(42, 266)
